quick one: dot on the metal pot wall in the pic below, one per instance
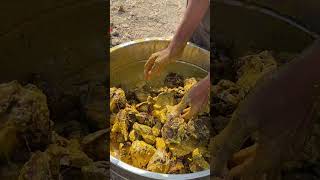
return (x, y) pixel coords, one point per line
(241, 27)
(304, 12)
(127, 61)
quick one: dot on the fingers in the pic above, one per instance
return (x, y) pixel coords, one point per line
(149, 64)
(186, 110)
(239, 170)
(241, 160)
(226, 143)
(157, 67)
(189, 113)
(243, 154)
(185, 101)
(195, 108)
(243, 171)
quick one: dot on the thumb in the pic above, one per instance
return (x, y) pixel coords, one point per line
(188, 115)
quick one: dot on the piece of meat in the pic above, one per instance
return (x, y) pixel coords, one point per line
(144, 107)
(176, 136)
(177, 167)
(189, 83)
(38, 167)
(146, 119)
(199, 128)
(251, 68)
(198, 163)
(159, 162)
(141, 153)
(174, 130)
(117, 99)
(124, 152)
(24, 117)
(173, 80)
(133, 136)
(141, 95)
(225, 98)
(55, 161)
(145, 132)
(161, 115)
(160, 143)
(119, 131)
(164, 99)
(156, 129)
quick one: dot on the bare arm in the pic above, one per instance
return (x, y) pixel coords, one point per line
(193, 15)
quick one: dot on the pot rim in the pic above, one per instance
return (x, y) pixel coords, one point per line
(153, 175)
(168, 39)
(271, 13)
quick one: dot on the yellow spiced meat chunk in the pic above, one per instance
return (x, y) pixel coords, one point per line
(177, 167)
(189, 83)
(124, 150)
(117, 99)
(145, 132)
(159, 162)
(160, 143)
(198, 163)
(141, 153)
(119, 131)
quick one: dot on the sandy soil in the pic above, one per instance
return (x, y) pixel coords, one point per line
(134, 19)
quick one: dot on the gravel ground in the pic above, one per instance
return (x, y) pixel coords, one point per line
(135, 19)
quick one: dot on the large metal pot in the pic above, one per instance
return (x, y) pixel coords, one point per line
(126, 68)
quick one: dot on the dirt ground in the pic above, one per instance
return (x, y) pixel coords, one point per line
(135, 19)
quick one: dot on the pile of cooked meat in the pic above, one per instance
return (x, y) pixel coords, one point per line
(143, 136)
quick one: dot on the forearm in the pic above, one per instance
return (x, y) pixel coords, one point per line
(193, 15)
(293, 86)
(308, 64)
(205, 82)
(303, 74)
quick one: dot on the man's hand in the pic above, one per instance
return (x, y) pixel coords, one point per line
(196, 98)
(159, 60)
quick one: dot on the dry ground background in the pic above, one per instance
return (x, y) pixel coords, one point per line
(134, 19)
